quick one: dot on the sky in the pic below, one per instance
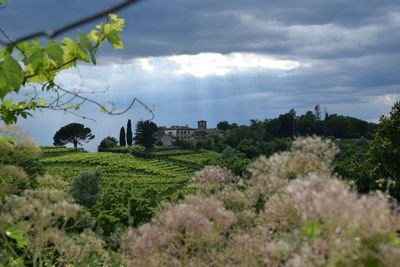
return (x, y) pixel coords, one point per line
(225, 60)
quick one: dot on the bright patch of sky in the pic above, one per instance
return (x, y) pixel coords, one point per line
(208, 64)
(215, 64)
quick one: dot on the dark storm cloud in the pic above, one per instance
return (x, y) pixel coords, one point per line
(322, 29)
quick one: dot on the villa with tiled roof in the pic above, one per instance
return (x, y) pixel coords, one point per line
(174, 133)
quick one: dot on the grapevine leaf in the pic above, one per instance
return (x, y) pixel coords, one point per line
(94, 35)
(115, 40)
(112, 30)
(14, 72)
(69, 48)
(113, 17)
(10, 76)
(36, 60)
(4, 88)
(55, 52)
(86, 45)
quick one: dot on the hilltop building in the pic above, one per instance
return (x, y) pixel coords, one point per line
(175, 132)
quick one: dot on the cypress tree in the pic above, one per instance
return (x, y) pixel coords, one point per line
(129, 133)
(122, 138)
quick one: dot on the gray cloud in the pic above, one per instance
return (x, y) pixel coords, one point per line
(312, 29)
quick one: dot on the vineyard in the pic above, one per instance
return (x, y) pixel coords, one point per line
(158, 176)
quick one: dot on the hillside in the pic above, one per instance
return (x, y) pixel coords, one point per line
(127, 178)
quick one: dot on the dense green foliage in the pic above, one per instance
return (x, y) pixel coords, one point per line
(132, 186)
(255, 139)
(85, 188)
(285, 210)
(107, 143)
(379, 167)
(74, 133)
(54, 150)
(146, 134)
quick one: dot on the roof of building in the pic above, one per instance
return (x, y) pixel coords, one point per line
(179, 128)
(210, 130)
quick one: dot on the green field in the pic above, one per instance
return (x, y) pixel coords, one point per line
(154, 177)
(163, 172)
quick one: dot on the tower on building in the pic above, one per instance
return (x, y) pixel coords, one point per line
(202, 125)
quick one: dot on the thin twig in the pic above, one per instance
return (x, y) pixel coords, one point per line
(9, 39)
(77, 95)
(54, 33)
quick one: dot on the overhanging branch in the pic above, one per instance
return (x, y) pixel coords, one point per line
(54, 33)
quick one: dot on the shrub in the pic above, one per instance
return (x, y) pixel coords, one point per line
(40, 225)
(35, 226)
(22, 152)
(363, 142)
(107, 143)
(289, 210)
(183, 234)
(215, 175)
(85, 188)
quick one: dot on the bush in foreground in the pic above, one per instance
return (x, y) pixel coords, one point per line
(290, 210)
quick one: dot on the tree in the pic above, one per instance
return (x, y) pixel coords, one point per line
(317, 112)
(259, 131)
(107, 143)
(122, 137)
(145, 134)
(235, 135)
(74, 133)
(85, 188)
(307, 124)
(338, 126)
(380, 168)
(287, 124)
(223, 125)
(185, 143)
(129, 133)
(384, 152)
(209, 143)
(247, 147)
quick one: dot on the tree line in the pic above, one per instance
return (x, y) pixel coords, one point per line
(271, 135)
(311, 123)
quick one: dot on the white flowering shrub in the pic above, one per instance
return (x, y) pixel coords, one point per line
(214, 175)
(187, 234)
(40, 225)
(290, 210)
